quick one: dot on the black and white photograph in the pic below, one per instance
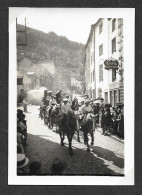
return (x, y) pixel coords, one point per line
(71, 108)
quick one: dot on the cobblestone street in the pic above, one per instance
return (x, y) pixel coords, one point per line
(105, 158)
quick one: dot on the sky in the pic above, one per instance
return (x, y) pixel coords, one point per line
(75, 24)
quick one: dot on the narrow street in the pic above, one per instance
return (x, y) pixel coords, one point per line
(105, 158)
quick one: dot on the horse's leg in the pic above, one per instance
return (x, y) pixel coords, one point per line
(70, 146)
(78, 135)
(84, 137)
(88, 147)
(92, 137)
(78, 131)
(62, 137)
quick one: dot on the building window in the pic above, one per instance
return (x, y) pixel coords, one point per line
(101, 73)
(113, 75)
(114, 45)
(106, 97)
(100, 28)
(113, 24)
(115, 97)
(111, 98)
(99, 92)
(101, 50)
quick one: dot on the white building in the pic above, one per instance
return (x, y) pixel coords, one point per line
(105, 42)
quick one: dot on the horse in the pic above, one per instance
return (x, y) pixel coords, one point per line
(55, 112)
(88, 127)
(42, 110)
(47, 116)
(67, 126)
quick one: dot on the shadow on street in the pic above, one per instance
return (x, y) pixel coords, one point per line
(108, 155)
(40, 148)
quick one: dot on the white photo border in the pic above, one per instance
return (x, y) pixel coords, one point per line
(128, 14)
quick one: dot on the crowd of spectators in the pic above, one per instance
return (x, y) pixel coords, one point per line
(24, 167)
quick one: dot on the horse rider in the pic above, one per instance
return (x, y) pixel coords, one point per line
(65, 107)
(102, 104)
(52, 101)
(69, 100)
(84, 110)
(59, 97)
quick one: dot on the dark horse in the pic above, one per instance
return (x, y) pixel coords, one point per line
(88, 127)
(47, 116)
(55, 116)
(67, 126)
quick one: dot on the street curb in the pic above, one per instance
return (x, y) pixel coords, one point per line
(111, 136)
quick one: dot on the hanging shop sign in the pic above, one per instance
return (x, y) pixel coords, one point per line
(111, 64)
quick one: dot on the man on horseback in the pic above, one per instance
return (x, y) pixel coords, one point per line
(67, 123)
(59, 97)
(52, 101)
(86, 122)
(47, 117)
(65, 107)
(84, 110)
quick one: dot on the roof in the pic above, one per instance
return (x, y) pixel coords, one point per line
(93, 26)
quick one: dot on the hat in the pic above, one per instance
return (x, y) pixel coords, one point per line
(65, 100)
(34, 167)
(22, 160)
(19, 111)
(87, 102)
(57, 166)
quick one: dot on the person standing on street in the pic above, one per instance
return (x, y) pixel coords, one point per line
(25, 103)
(115, 123)
(84, 110)
(120, 121)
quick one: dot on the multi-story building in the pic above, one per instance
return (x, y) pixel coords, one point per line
(105, 42)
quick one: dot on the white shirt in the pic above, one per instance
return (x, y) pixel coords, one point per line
(69, 101)
(85, 108)
(65, 108)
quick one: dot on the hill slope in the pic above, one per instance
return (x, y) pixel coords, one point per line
(41, 47)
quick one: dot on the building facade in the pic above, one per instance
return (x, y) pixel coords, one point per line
(105, 42)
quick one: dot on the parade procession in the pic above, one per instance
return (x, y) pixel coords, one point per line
(70, 101)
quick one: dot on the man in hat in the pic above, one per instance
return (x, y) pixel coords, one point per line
(57, 167)
(25, 103)
(115, 123)
(69, 100)
(120, 120)
(52, 101)
(59, 97)
(65, 106)
(102, 105)
(86, 108)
